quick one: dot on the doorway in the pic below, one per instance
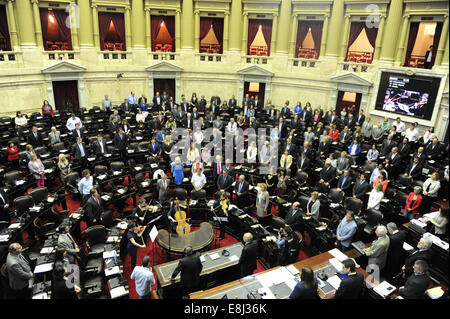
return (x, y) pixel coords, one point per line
(254, 89)
(161, 85)
(65, 94)
(349, 100)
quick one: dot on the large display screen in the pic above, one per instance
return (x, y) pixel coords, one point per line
(407, 95)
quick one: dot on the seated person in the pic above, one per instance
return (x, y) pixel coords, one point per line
(307, 287)
(351, 287)
(417, 283)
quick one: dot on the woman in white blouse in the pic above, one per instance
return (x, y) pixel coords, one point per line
(141, 116)
(262, 200)
(252, 151)
(430, 191)
(198, 136)
(286, 161)
(375, 197)
(429, 134)
(192, 154)
(372, 154)
(440, 222)
(21, 123)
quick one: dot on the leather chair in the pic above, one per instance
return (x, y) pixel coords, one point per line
(303, 200)
(71, 182)
(4, 280)
(403, 182)
(353, 204)
(60, 148)
(373, 218)
(11, 177)
(91, 266)
(43, 230)
(23, 204)
(117, 166)
(39, 194)
(181, 194)
(294, 245)
(96, 239)
(322, 188)
(108, 219)
(100, 170)
(199, 195)
(335, 196)
(302, 178)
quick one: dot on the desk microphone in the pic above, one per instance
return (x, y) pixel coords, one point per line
(225, 253)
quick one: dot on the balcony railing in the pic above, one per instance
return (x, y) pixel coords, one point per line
(259, 50)
(210, 57)
(114, 55)
(10, 56)
(416, 61)
(255, 59)
(160, 56)
(210, 48)
(359, 57)
(61, 55)
(307, 53)
(304, 63)
(354, 67)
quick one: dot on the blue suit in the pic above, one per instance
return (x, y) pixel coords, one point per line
(358, 148)
(298, 110)
(160, 137)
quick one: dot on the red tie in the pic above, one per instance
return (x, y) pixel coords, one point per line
(96, 199)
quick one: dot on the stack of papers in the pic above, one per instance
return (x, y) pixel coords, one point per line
(336, 264)
(202, 259)
(4, 238)
(43, 268)
(103, 176)
(112, 239)
(118, 292)
(435, 293)
(115, 173)
(293, 270)
(109, 254)
(334, 281)
(407, 246)
(112, 271)
(46, 250)
(14, 226)
(418, 223)
(42, 295)
(214, 256)
(338, 254)
(75, 215)
(384, 289)
(233, 258)
(105, 197)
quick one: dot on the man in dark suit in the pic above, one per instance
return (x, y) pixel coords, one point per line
(387, 145)
(184, 105)
(404, 149)
(18, 272)
(351, 287)
(99, 146)
(257, 103)
(414, 169)
(232, 102)
(224, 181)
(350, 121)
(295, 122)
(345, 136)
(113, 126)
(307, 149)
(77, 132)
(249, 255)
(423, 253)
(94, 208)
(154, 150)
(216, 101)
(333, 118)
(195, 115)
(394, 158)
(121, 143)
(79, 152)
(305, 118)
(286, 111)
(361, 187)
(188, 122)
(420, 154)
(395, 251)
(428, 58)
(361, 118)
(293, 217)
(433, 149)
(34, 138)
(125, 106)
(190, 268)
(290, 147)
(417, 283)
(345, 181)
(303, 163)
(241, 188)
(157, 101)
(328, 173)
(217, 167)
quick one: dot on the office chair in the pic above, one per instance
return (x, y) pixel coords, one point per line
(39, 194)
(302, 178)
(390, 193)
(353, 204)
(198, 195)
(335, 196)
(4, 225)
(403, 182)
(41, 151)
(373, 218)
(56, 215)
(23, 204)
(181, 194)
(7, 293)
(11, 177)
(108, 219)
(43, 231)
(322, 188)
(117, 166)
(100, 170)
(91, 265)
(71, 183)
(59, 148)
(96, 239)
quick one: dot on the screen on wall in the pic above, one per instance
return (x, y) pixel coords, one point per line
(407, 95)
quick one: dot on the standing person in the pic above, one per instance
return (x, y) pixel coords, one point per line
(134, 236)
(222, 205)
(313, 206)
(162, 186)
(13, 155)
(249, 255)
(106, 104)
(37, 169)
(430, 191)
(19, 272)
(351, 287)
(395, 250)
(63, 166)
(439, 222)
(377, 252)
(262, 200)
(177, 171)
(66, 241)
(143, 279)
(121, 143)
(307, 287)
(190, 268)
(85, 185)
(47, 109)
(94, 208)
(428, 58)
(4, 207)
(417, 283)
(21, 124)
(345, 232)
(413, 203)
(79, 152)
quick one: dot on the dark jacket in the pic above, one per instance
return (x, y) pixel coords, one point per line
(35, 142)
(224, 183)
(292, 219)
(347, 183)
(328, 174)
(415, 287)
(93, 209)
(190, 268)
(411, 259)
(351, 287)
(395, 253)
(77, 152)
(120, 143)
(248, 258)
(97, 148)
(359, 190)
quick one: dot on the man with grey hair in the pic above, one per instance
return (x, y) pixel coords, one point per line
(162, 186)
(19, 272)
(395, 250)
(377, 252)
(328, 173)
(249, 255)
(417, 283)
(54, 136)
(423, 253)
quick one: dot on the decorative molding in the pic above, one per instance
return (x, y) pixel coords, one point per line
(255, 70)
(351, 78)
(63, 67)
(164, 66)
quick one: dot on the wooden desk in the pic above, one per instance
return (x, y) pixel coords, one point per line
(313, 262)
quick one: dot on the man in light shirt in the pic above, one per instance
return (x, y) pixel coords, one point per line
(132, 99)
(143, 279)
(85, 185)
(400, 126)
(71, 121)
(198, 180)
(412, 133)
(106, 104)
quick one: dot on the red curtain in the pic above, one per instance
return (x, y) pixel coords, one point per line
(205, 25)
(44, 26)
(217, 24)
(170, 24)
(104, 21)
(171, 87)
(66, 95)
(303, 27)
(437, 37)
(156, 21)
(4, 30)
(155, 26)
(253, 26)
(316, 31)
(161, 85)
(413, 30)
(61, 17)
(355, 30)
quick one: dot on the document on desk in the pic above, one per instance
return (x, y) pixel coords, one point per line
(4, 238)
(437, 241)
(293, 270)
(334, 281)
(233, 258)
(46, 250)
(13, 226)
(118, 292)
(407, 246)
(108, 254)
(42, 295)
(43, 268)
(336, 264)
(112, 271)
(75, 215)
(214, 256)
(384, 289)
(275, 277)
(338, 254)
(202, 259)
(112, 239)
(418, 223)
